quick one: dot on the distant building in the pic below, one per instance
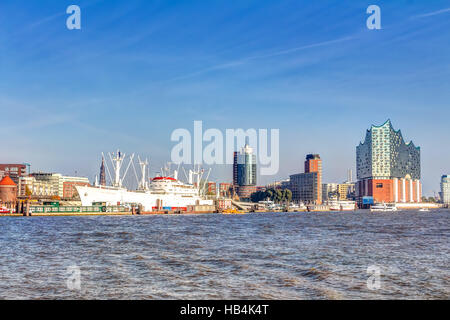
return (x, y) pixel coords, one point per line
(225, 190)
(211, 188)
(51, 184)
(244, 192)
(244, 172)
(445, 189)
(329, 190)
(246, 167)
(14, 171)
(283, 184)
(8, 193)
(388, 169)
(307, 187)
(235, 168)
(346, 191)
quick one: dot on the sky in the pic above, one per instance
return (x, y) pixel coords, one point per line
(138, 70)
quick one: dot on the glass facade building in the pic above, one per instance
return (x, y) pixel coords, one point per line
(445, 189)
(388, 169)
(385, 155)
(246, 167)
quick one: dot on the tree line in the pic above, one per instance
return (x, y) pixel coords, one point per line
(275, 195)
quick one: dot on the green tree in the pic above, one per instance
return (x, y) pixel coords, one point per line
(277, 196)
(287, 195)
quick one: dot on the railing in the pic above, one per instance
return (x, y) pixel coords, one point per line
(77, 209)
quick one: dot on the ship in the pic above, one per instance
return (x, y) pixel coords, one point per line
(163, 192)
(383, 207)
(342, 205)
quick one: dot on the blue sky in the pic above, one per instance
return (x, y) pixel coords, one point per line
(137, 70)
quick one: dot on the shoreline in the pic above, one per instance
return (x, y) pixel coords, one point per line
(87, 214)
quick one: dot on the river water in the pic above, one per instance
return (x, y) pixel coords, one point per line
(253, 256)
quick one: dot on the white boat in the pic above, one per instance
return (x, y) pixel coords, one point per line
(424, 210)
(160, 193)
(342, 205)
(383, 207)
(300, 207)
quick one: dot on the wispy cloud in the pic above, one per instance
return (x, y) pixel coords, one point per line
(262, 56)
(434, 13)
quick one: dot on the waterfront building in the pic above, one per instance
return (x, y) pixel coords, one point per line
(14, 171)
(346, 191)
(307, 187)
(211, 188)
(246, 167)
(8, 193)
(329, 191)
(51, 184)
(29, 186)
(283, 184)
(445, 189)
(235, 168)
(244, 192)
(244, 172)
(388, 169)
(225, 189)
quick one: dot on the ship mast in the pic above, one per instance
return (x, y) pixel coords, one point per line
(143, 185)
(117, 161)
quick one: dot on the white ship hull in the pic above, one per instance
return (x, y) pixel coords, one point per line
(383, 208)
(161, 192)
(342, 205)
(149, 201)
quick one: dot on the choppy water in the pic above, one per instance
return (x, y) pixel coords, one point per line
(255, 256)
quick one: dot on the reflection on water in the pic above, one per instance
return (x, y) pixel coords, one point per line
(254, 256)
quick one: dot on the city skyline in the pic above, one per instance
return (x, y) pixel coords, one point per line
(136, 71)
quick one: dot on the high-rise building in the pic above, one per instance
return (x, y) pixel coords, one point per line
(235, 168)
(445, 189)
(246, 167)
(388, 169)
(102, 173)
(307, 187)
(244, 172)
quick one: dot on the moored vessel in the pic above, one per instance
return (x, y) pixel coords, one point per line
(383, 207)
(164, 192)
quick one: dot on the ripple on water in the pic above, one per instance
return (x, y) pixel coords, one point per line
(261, 256)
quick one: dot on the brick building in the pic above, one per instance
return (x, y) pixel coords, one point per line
(14, 171)
(307, 187)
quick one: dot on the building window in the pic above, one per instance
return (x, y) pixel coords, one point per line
(379, 185)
